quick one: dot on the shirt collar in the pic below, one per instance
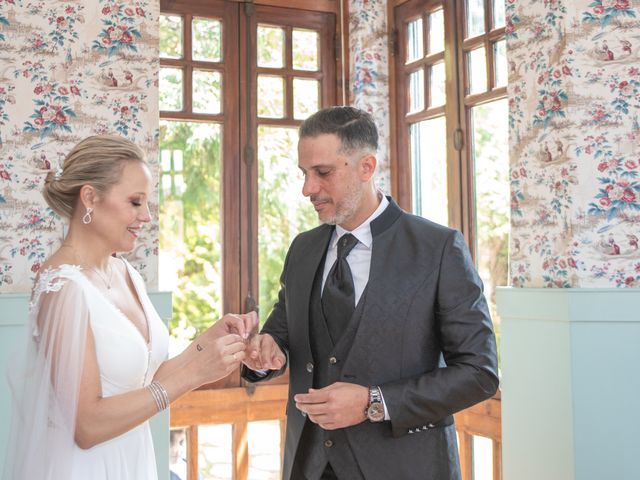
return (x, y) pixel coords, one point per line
(363, 231)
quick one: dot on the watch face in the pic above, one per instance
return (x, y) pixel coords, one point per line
(375, 413)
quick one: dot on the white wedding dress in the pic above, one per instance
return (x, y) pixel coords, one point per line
(45, 387)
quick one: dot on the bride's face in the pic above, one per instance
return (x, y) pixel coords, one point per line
(121, 212)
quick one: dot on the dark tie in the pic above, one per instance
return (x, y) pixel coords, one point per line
(338, 296)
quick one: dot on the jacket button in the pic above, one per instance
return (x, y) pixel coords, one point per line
(333, 360)
(328, 443)
(309, 367)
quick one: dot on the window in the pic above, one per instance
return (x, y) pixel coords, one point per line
(228, 136)
(236, 81)
(198, 132)
(296, 75)
(452, 159)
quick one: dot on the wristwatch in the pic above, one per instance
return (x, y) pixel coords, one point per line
(375, 409)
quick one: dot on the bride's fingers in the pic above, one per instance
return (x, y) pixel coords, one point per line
(231, 339)
(236, 348)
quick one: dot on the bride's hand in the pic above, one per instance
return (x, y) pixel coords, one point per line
(214, 356)
(220, 349)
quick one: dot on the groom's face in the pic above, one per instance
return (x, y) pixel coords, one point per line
(331, 179)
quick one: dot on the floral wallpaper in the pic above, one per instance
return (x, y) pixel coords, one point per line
(369, 71)
(574, 101)
(69, 69)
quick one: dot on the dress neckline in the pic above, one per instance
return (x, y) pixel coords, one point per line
(79, 269)
(136, 291)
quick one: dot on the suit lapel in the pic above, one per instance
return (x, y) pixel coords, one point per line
(381, 232)
(308, 262)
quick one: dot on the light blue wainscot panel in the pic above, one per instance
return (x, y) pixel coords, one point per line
(13, 317)
(570, 383)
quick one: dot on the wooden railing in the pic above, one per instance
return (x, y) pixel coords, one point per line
(235, 406)
(484, 420)
(239, 406)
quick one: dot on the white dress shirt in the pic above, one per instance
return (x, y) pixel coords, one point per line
(359, 258)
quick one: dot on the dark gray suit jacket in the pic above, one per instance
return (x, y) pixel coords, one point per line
(423, 334)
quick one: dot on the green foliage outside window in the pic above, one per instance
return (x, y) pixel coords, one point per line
(492, 198)
(283, 211)
(190, 226)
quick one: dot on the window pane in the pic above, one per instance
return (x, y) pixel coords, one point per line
(190, 216)
(270, 96)
(416, 91)
(437, 85)
(428, 144)
(491, 162)
(283, 210)
(475, 17)
(264, 449)
(170, 36)
(498, 13)
(477, 67)
(415, 40)
(207, 39)
(270, 46)
(500, 57)
(436, 31)
(207, 91)
(215, 459)
(305, 49)
(482, 458)
(305, 97)
(171, 89)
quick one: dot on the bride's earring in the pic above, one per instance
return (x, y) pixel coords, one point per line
(86, 219)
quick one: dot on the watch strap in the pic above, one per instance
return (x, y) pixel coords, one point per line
(374, 395)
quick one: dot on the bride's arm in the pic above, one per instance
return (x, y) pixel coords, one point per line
(64, 376)
(101, 418)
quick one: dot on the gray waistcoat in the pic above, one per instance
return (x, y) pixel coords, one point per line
(318, 446)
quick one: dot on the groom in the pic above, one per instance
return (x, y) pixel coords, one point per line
(381, 319)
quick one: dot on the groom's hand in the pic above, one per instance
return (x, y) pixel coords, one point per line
(339, 405)
(263, 353)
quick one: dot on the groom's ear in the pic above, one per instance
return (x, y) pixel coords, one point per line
(367, 166)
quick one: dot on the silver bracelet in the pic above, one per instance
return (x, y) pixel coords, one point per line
(156, 396)
(159, 394)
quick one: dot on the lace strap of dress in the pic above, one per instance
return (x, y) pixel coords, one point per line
(51, 279)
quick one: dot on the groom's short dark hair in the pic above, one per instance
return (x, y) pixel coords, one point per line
(354, 127)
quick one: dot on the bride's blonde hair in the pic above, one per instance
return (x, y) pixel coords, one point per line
(97, 161)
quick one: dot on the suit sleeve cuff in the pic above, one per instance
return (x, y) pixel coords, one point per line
(386, 412)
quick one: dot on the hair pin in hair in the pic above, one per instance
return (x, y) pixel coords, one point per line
(58, 173)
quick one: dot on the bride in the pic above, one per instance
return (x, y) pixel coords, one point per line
(95, 365)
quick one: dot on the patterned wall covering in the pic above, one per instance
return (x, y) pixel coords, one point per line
(369, 70)
(574, 96)
(69, 69)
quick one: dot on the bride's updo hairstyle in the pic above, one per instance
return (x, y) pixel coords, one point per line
(97, 161)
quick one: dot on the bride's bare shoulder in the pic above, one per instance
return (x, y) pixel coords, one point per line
(59, 259)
